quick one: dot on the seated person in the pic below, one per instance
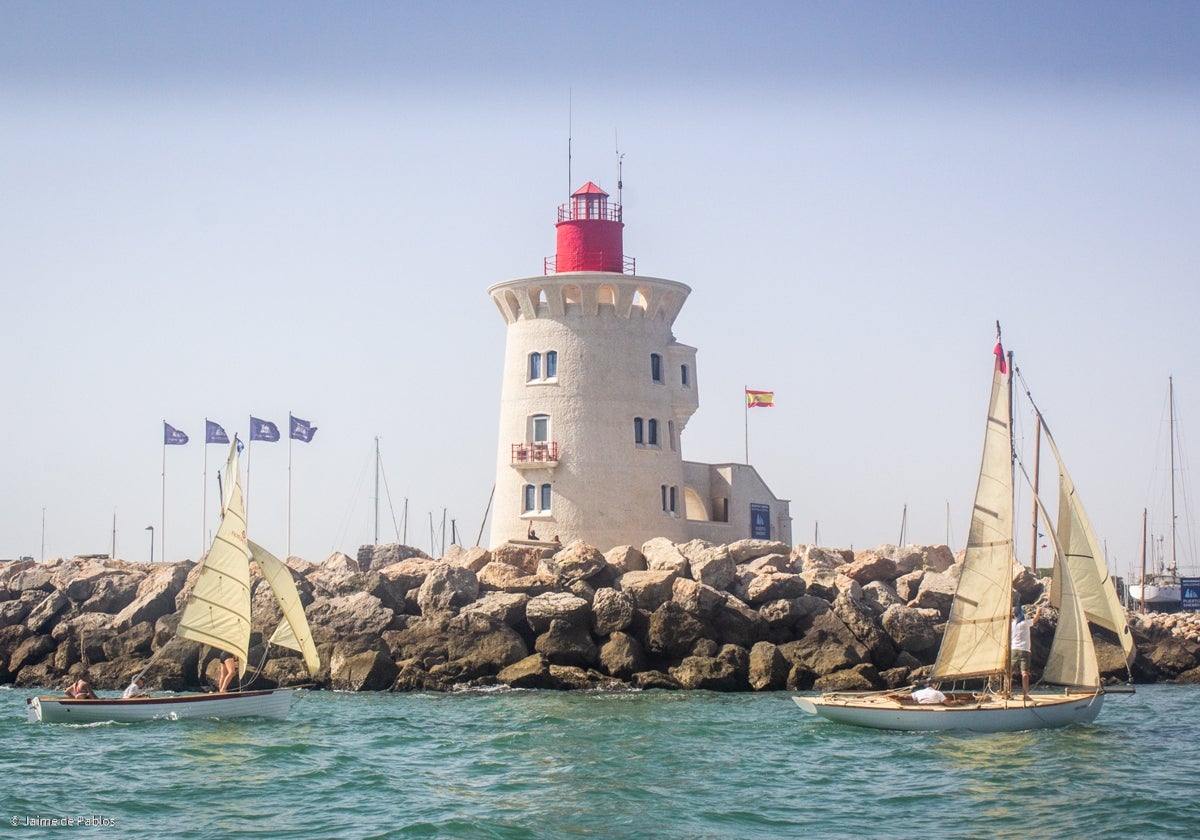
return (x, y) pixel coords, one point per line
(134, 689)
(81, 689)
(927, 695)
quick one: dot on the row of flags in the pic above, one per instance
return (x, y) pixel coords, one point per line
(263, 430)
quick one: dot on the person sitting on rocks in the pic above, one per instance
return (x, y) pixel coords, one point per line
(532, 535)
(81, 689)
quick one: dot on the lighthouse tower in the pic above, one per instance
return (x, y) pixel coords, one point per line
(596, 392)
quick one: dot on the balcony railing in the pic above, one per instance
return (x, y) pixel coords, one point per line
(628, 264)
(536, 452)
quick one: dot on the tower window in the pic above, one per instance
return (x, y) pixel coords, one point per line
(668, 498)
(543, 366)
(684, 376)
(656, 373)
(530, 498)
(652, 432)
(539, 428)
(638, 436)
(545, 499)
(671, 434)
(535, 366)
(551, 364)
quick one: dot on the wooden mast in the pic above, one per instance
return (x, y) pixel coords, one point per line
(1037, 458)
(1143, 559)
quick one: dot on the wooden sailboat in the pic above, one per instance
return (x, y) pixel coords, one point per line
(1162, 590)
(976, 644)
(217, 613)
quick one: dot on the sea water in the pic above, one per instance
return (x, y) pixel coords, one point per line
(515, 764)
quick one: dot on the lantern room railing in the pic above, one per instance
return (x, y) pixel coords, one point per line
(628, 264)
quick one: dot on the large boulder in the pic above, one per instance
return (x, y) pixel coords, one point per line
(744, 551)
(502, 577)
(566, 643)
(699, 599)
(361, 670)
(42, 617)
(826, 647)
(447, 588)
(408, 573)
(159, 593)
(526, 558)
(481, 645)
(542, 610)
(347, 615)
(376, 557)
(673, 632)
(506, 607)
(768, 667)
(612, 611)
(662, 555)
(709, 564)
(736, 623)
(774, 586)
(869, 566)
(911, 629)
(622, 656)
(578, 561)
(625, 558)
(936, 592)
(705, 672)
(649, 589)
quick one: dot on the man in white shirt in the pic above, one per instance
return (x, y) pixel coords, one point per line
(134, 689)
(1022, 647)
(927, 695)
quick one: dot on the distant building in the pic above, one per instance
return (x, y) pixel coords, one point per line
(595, 398)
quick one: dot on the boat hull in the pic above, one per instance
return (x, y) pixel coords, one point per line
(1157, 594)
(887, 711)
(275, 703)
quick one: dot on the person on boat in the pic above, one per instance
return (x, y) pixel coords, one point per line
(927, 695)
(134, 689)
(1022, 646)
(229, 666)
(81, 689)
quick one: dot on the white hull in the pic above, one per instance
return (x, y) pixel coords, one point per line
(887, 711)
(267, 704)
(1155, 594)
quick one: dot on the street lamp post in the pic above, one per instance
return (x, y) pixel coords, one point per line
(150, 528)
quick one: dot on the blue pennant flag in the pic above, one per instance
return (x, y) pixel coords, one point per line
(172, 436)
(213, 433)
(263, 430)
(302, 429)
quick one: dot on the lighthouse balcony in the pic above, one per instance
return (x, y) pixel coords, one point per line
(540, 454)
(596, 258)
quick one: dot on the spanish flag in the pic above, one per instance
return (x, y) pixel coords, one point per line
(760, 399)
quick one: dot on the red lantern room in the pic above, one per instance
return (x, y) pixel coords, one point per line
(589, 233)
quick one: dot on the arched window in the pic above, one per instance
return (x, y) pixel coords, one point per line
(535, 366)
(656, 367)
(545, 500)
(551, 364)
(652, 432)
(530, 498)
(637, 431)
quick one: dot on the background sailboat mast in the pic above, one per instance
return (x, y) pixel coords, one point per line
(1143, 559)
(1171, 398)
(376, 489)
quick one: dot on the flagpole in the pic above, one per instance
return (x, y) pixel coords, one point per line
(204, 491)
(746, 415)
(289, 506)
(249, 446)
(162, 522)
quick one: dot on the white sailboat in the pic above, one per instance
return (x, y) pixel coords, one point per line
(1161, 590)
(217, 613)
(976, 644)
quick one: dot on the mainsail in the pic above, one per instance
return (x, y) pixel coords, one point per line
(1085, 562)
(217, 612)
(293, 631)
(977, 635)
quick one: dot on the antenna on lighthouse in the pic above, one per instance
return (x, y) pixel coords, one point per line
(569, 127)
(620, 159)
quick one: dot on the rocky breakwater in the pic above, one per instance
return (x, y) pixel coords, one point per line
(752, 615)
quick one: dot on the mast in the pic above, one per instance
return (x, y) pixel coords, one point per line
(1174, 569)
(1037, 460)
(1143, 559)
(376, 489)
(1012, 550)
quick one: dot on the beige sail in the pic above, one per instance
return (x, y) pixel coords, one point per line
(977, 635)
(293, 631)
(217, 612)
(1072, 658)
(1085, 562)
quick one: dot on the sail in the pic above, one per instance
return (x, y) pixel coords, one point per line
(1072, 658)
(217, 612)
(977, 635)
(293, 632)
(1085, 562)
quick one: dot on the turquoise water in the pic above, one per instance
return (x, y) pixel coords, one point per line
(652, 764)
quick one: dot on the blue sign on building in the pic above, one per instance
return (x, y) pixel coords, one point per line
(1190, 589)
(760, 521)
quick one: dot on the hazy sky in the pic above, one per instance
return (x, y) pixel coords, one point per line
(224, 209)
